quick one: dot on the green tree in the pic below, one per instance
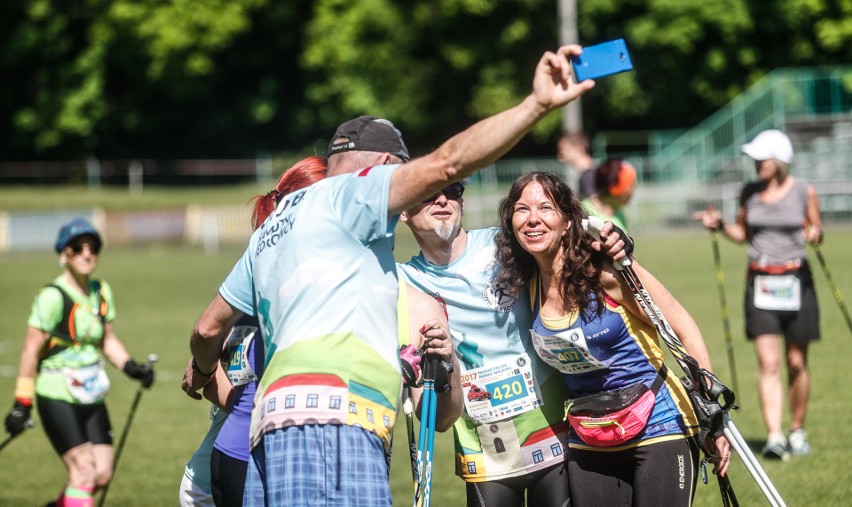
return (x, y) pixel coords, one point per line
(230, 78)
(692, 57)
(430, 66)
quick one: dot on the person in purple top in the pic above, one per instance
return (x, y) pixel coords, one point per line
(229, 460)
(243, 360)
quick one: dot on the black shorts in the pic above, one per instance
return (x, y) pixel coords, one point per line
(800, 326)
(544, 488)
(227, 479)
(68, 425)
(663, 473)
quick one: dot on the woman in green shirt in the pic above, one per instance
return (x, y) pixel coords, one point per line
(69, 333)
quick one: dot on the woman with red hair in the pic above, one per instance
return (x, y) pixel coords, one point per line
(217, 471)
(303, 173)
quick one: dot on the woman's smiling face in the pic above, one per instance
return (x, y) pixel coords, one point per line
(537, 223)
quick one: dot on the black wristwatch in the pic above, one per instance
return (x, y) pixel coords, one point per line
(198, 370)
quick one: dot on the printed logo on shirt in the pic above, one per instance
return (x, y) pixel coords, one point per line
(281, 222)
(497, 297)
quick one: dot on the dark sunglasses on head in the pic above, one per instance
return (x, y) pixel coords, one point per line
(452, 192)
(78, 248)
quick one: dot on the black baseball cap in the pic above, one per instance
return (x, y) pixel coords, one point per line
(368, 133)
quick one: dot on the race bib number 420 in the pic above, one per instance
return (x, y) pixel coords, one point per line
(496, 392)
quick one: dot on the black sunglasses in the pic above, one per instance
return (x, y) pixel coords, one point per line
(453, 192)
(77, 248)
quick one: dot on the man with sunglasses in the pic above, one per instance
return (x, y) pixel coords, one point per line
(69, 334)
(320, 272)
(510, 444)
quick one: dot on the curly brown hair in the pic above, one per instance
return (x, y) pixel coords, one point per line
(581, 269)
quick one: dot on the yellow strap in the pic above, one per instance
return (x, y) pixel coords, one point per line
(403, 328)
(601, 424)
(25, 388)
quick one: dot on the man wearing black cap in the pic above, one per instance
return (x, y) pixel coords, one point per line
(321, 274)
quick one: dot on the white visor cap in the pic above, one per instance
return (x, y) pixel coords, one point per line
(770, 144)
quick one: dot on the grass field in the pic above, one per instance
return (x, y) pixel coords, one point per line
(161, 291)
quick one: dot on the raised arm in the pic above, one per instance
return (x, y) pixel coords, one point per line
(486, 141)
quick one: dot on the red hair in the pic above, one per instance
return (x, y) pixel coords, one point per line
(301, 174)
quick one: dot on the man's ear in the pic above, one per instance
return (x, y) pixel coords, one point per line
(403, 217)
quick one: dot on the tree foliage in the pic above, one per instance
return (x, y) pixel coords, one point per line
(231, 78)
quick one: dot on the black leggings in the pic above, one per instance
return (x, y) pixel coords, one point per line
(68, 425)
(656, 474)
(545, 488)
(227, 479)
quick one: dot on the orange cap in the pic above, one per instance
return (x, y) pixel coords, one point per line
(626, 179)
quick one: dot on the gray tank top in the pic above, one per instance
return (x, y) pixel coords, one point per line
(775, 229)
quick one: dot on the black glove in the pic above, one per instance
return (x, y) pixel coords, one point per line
(711, 400)
(142, 372)
(18, 418)
(442, 377)
(441, 374)
(628, 241)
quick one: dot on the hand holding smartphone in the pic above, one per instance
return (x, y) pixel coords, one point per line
(602, 60)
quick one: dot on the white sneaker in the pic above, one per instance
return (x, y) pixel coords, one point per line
(799, 445)
(776, 447)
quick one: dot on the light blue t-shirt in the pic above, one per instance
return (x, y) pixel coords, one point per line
(491, 328)
(320, 272)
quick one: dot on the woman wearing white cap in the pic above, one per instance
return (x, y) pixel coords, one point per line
(777, 215)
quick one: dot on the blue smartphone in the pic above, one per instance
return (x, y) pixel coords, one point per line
(602, 60)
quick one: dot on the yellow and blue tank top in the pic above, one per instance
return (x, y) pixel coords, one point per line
(615, 349)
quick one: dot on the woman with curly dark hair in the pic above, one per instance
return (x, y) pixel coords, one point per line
(639, 442)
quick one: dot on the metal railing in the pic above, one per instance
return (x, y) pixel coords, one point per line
(793, 100)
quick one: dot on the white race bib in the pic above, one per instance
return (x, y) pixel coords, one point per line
(496, 392)
(87, 384)
(566, 351)
(240, 371)
(782, 292)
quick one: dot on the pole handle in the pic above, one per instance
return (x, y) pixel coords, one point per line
(592, 226)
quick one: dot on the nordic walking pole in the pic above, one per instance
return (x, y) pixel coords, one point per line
(8, 440)
(741, 446)
(425, 446)
(152, 358)
(408, 410)
(710, 399)
(704, 397)
(723, 302)
(834, 289)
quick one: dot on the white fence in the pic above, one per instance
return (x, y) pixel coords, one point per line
(824, 161)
